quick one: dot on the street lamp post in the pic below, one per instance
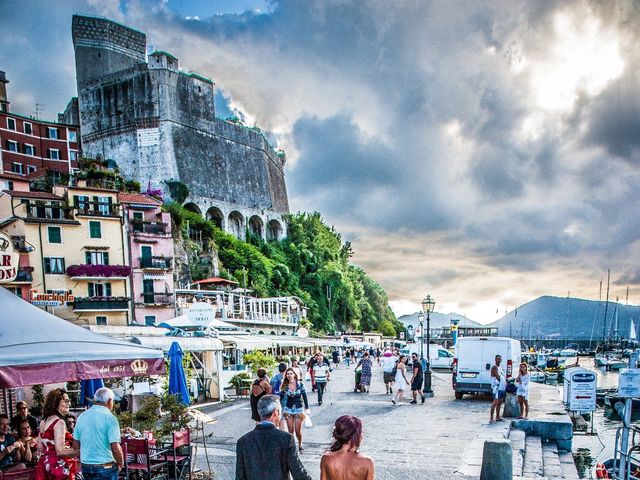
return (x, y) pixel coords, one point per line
(428, 305)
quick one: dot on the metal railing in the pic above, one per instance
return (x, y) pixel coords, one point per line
(101, 303)
(157, 263)
(153, 228)
(157, 298)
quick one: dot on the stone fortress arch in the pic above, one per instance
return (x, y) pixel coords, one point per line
(256, 226)
(236, 220)
(215, 215)
(274, 230)
(236, 224)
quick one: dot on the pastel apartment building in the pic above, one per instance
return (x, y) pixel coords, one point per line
(73, 252)
(151, 258)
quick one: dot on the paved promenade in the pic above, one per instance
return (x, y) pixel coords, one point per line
(407, 441)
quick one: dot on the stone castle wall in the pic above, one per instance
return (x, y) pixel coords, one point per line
(159, 124)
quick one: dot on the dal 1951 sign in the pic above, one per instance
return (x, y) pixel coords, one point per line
(9, 259)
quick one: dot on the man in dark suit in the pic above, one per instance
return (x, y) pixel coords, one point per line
(267, 452)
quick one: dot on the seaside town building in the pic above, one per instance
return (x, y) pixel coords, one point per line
(28, 144)
(73, 252)
(150, 247)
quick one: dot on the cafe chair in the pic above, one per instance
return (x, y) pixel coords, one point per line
(144, 461)
(179, 455)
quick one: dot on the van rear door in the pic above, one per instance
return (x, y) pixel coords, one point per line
(470, 364)
(493, 347)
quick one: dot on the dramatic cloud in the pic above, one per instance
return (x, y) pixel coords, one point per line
(486, 152)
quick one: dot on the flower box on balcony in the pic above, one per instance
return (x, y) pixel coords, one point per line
(98, 271)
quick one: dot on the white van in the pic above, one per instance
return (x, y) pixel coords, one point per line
(474, 357)
(440, 357)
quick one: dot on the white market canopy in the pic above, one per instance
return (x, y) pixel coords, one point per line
(37, 347)
(188, 344)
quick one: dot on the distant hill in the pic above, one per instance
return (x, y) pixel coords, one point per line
(568, 318)
(438, 320)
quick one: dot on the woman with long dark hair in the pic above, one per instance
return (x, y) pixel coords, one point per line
(401, 381)
(292, 395)
(59, 461)
(259, 389)
(343, 460)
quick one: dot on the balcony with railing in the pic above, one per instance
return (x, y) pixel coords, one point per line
(48, 211)
(24, 275)
(98, 272)
(99, 209)
(156, 263)
(139, 227)
(89, 304)
(164, 299)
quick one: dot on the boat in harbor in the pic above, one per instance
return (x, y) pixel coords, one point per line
(617, 363)
(600, 360)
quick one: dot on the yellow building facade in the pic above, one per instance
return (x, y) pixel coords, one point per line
(77, 252)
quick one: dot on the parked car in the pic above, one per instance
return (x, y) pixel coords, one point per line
(440, 357)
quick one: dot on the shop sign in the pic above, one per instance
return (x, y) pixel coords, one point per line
(9, 259)
(583, 391)
(54, 299)
(201, 313)
(629, 383)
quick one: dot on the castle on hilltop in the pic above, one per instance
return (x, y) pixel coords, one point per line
(158, 123)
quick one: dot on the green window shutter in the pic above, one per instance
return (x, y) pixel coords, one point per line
(95, 230)
(87, 257)
(105, 258)
(47, 265)
(55, 235)
(91, 290)
(76, 201)
(107, 288)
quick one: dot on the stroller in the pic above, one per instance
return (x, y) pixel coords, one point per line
(358, 388)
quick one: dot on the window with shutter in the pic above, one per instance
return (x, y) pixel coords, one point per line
(54, 234)
(95, 230)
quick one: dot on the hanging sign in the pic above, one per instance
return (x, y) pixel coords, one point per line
(9, 259)
(201, 313)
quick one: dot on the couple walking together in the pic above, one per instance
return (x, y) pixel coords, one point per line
(267, 452)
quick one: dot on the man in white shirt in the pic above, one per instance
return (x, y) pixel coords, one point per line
(388, 374)
(321, 375)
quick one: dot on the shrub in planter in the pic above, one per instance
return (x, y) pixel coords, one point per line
(237, 381)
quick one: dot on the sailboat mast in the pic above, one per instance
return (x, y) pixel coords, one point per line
(606, 307)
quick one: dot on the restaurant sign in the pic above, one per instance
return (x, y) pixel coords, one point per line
(9, 259)
(52, 299)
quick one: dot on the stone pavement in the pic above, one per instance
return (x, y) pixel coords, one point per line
(406, 441)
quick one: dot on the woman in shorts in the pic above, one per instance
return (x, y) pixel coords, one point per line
(292, 395)
(523, 390)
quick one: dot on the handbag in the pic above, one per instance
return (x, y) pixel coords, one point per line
(307, 377)
(307, 421)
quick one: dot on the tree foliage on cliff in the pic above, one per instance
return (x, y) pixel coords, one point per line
(309, 262)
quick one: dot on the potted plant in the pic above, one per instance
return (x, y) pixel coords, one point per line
(238, 382)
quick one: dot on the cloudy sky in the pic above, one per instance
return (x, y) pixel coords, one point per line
(485, 152)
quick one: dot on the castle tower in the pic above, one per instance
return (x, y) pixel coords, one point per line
(103, 46)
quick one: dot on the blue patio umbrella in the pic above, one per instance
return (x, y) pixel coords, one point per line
(88, 389)
(177, 379)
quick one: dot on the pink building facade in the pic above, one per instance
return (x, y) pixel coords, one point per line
(151, 258)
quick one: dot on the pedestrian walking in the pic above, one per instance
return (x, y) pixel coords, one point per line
(266, 452)
(523, 380)
(388, 372)
(259, 389)
(97, 435)
(401, 381)
(343, 461)
(365, 377)
(292, 396)
(321, 375)
(276, 381)
(498, 389)
(416, 378)
(378, 353)
(296, 368)
(59, 460)
(347, 357)
(336, 358)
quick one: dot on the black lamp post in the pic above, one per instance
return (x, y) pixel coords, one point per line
(428, 305)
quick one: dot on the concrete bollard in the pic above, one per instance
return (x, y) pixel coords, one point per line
(511, 406)
(496, 460)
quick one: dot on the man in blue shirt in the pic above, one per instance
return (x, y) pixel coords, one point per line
(97, 435)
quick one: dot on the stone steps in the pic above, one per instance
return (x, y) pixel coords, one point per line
(534, 459)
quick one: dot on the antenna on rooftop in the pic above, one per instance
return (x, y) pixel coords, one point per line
(36, 114)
